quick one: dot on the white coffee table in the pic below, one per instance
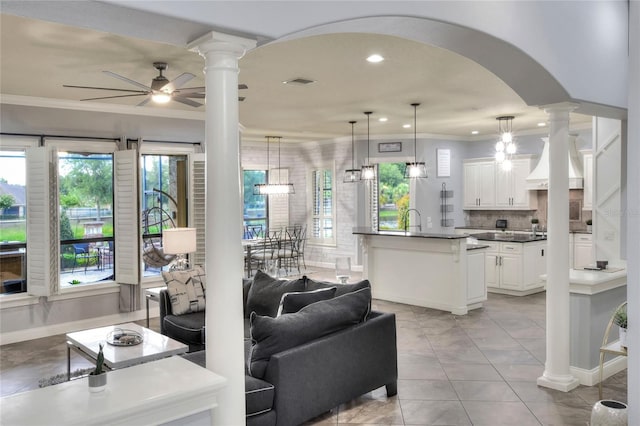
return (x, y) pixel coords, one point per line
(153, 347)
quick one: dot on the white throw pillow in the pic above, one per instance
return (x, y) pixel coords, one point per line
(186, 290)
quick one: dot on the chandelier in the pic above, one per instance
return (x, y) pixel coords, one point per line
(505, 147)
(352, 175)
(368, 171)
(273, 188)
(417, 169)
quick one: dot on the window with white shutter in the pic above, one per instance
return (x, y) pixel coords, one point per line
(323, 212)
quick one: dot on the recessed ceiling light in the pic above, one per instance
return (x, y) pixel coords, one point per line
(383, 119)
(375, 58)
(542, 124)
(406, 126)
(474, 132)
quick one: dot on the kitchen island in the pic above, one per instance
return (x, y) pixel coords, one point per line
(431, 270)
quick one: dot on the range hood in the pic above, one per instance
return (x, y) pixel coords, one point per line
(538, 179)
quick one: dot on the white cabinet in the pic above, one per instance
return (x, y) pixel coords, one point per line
(515, 268)
(587, 163)
(511, 186)
(479, 185)
(476, 285)
(582, 251)
(488, 187)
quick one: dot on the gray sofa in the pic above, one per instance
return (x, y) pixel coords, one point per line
(334, 349)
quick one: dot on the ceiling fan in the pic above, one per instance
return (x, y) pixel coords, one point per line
(161, 89)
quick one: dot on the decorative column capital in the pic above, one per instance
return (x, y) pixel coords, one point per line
(560, 107)
(221, 42)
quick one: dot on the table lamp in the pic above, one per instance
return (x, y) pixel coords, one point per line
(179, 241)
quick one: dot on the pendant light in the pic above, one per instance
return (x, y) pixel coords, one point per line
(352, 175)
(273, 188)
(505, 147)
(416, 169)
(368, 171)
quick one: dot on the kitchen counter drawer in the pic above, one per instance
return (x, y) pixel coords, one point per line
(515, 248)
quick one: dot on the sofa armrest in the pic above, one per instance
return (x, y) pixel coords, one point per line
(165, 308)
(334, 369)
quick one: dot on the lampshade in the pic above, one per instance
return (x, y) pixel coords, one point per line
(416, 169)
(368, 171)
(179, 240)
(352, 175)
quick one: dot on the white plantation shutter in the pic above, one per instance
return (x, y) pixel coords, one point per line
(278, 204)
(126, 221)
(43, 242)
(198, 204)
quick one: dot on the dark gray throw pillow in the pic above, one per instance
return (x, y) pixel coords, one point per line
(340, 288)
(265, 293)
(270, 336)
(293, 302)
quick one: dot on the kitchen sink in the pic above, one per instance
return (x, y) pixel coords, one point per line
(507, 236)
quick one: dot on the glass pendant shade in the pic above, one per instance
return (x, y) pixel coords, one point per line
(505, 147)
(352, 175)
(416, 169)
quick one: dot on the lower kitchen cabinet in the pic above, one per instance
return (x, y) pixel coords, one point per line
(515, 268)
(583, 251)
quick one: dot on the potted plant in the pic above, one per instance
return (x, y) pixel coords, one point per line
(620, 319)
(98, 377)
(589, 222)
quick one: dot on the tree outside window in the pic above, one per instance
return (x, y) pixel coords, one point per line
(393, 196)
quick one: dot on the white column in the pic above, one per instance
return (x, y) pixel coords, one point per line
(556, 369)
(224, 259)
(633, 214)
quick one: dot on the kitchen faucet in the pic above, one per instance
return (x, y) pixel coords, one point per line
(406, 220)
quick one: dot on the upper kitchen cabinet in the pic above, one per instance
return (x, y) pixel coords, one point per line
(511, 186)
(488, 187)
(479, 185)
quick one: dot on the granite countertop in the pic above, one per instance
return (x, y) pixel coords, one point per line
(508, 237)
(369, 231)
(516, 230)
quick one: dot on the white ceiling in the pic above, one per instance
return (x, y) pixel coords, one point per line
(456, 94)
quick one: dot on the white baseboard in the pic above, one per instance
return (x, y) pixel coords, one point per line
(592, 377)
(68, 327)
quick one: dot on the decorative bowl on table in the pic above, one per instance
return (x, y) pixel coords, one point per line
(124, 337)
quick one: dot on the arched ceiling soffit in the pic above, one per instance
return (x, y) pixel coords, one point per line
(532, 82)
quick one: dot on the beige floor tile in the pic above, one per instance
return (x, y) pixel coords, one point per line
(418, 366)
(484, 391)
(520, 372)
(471, 372)
(510, 357)
(566, 413)
(372, 411)
(470, 355)
(434, 413)
(489, 413)
(426, 390)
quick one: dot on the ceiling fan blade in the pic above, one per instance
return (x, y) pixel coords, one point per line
(113, 97)
(242, 86)
(189, 95)
(146, 101)
(186, 101)
(191, 90)
(104, 88)
(128, 80)
(178, 82)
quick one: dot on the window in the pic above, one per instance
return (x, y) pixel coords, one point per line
(164, 205)
(393, 196)
(254, 212)
(13, 226)
(85, 197)
(323, 216)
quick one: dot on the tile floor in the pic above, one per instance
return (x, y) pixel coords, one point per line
(478, 369)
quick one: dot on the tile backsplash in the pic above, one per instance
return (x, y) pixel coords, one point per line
(521, 219)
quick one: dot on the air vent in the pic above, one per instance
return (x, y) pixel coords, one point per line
(299, 81)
